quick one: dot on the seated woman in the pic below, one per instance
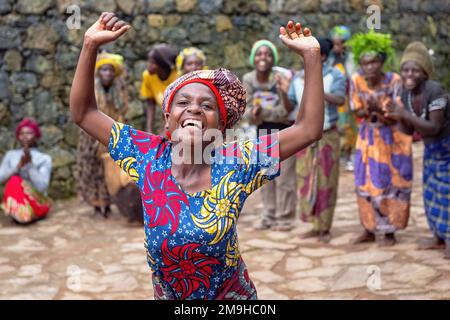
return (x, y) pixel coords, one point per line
(26, 172)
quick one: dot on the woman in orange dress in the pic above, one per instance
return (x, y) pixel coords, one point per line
(383, 157)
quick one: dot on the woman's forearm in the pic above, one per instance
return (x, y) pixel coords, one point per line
(308, 125)
(82, 95)
(424, 127)
(362, 113)
(83, 105)
(312, 104)
(286, 102)
(334, 99)
(151, 106)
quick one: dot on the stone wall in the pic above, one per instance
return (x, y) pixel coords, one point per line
(38, 53)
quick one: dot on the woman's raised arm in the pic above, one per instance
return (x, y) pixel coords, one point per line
(83, 106)
(308, 125)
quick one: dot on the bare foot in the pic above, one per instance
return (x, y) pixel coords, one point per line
(325, 236)
(263, 225)
(365, 237)
(283, 227)
(388, 241)
(309, 234)
(447, 250)
(134, 224)
(432, 244)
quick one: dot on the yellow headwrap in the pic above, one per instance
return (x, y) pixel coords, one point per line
(186, 52)
(115, 60)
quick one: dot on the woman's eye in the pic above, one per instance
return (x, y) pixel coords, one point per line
(207, 106)
(183, 103)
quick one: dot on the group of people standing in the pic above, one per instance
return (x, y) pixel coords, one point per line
(340, 102)
(371, 114)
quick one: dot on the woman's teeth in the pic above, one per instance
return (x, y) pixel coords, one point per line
(192, 123)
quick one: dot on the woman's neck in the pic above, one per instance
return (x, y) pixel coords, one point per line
(374, 82)
(187, 155)
(419, 89)
(190, 169)
(107, 87)
(263, 76)
(164, 75)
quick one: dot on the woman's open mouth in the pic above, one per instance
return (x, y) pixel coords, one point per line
(410, 83)
(192, 123)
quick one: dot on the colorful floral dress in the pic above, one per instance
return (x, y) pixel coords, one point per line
(191, 239)
(383, 160)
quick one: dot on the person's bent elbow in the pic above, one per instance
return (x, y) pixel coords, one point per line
(433, 131)
(340, 100)
(312, 135)
(76, 117)
(316, 135)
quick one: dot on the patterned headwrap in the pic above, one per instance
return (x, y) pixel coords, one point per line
(115, 60)
(223, 83)
(340, 32)
(30, 123)
(186, 52)
(258, 44)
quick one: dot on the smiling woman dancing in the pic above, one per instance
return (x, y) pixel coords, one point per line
(191, 210)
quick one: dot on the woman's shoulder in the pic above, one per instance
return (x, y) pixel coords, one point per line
(126, 137)
(434, 87)
(337, 73)
(359, 82)
(44, 157)
(358, 77)
(12, 153)
(249, 76)
(392, 77)
(282, 71)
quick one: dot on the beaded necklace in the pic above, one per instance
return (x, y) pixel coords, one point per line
(411, 108)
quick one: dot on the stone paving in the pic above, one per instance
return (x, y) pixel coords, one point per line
(72, 255)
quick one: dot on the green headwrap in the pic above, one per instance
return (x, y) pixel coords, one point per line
(372, 43)
(340, 32)
(259, 44)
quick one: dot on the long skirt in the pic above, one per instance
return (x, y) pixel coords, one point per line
(318, 176)
(348, 129)
(89, 174)
(24, 203)
(436, 187)
(383, 177)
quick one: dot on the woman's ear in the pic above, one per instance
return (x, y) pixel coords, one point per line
(221, 125)
(166, 120)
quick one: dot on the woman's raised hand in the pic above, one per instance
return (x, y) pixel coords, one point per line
(106, 29)
(302, 42)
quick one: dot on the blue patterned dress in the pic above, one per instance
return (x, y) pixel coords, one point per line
(191, 239)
